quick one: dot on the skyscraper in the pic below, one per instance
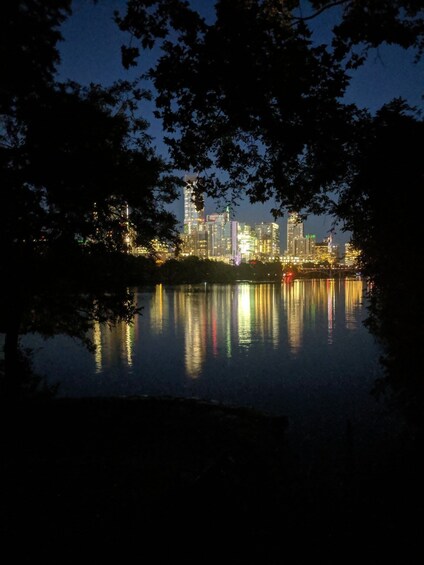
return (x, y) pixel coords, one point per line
(194, 235)
(193, 205)
(294, 233)
(267, 241)
(222, 237)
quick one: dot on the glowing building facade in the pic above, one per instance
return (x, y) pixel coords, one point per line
(194, 237)
(222, 237)
(267, 241)
(294, 233)
(194, 209)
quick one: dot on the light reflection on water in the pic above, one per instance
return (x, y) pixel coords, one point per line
(298, 346)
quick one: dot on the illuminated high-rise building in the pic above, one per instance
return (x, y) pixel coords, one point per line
(310, 241)
(295, 239)
(194, 235)
(351, 255)
(326, 252)
(268, 241)
(246, 242)
(222, 237)
(193, 205)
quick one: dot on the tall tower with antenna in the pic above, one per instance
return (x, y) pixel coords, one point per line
(193, 205)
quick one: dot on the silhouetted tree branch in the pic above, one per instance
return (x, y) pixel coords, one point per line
(254, 106)
(78, 176)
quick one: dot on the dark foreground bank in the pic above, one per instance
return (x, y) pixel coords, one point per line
(165, 480)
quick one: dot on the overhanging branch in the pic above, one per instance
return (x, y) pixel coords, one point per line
(321, 10)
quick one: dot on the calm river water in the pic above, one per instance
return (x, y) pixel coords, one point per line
(297, 349)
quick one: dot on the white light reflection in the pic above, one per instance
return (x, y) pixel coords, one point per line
(193, 315)
(330, 309)
(294, 305)
(244, 314)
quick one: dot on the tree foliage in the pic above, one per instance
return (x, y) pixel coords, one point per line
(78, 175)
(256, 106)
(252, 95)
(380, 209)
(249, 95)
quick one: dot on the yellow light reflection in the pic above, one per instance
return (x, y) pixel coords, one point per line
(266, 313)
(113, 343)
(97, 339)
(354, 294)
(129, 343)
(293, 294)
(195, 334)
(330, 309)
(159, 309)
(244, 314)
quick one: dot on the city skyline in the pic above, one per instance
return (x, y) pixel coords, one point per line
(91, 52)
(293, 239)
(221, 237)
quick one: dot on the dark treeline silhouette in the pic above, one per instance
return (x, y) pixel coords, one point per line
(134, 271)
(138, 271)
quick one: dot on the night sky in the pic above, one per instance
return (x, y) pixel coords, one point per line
(90, 52)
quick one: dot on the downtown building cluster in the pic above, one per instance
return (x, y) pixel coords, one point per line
(303, 248)
(216, 236)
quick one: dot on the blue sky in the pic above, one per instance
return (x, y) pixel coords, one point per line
(91, 53)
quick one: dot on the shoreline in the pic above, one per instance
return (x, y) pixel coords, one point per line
(93, 470)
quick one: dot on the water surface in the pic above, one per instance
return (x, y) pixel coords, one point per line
(297, 349)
